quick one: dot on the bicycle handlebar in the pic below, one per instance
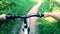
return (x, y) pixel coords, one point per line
(26, 16)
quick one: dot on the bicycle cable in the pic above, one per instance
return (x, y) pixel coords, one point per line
(29, 22)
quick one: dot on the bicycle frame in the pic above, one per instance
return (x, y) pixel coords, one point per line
(26, 29)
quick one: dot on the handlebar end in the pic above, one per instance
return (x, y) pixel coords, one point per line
(40, 15)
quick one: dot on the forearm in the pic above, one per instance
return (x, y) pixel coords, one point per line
(55, 15)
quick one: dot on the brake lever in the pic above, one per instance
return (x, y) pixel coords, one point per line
(40, 15)
(11, 16)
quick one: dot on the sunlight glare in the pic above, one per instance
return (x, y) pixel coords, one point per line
(35, 0)
(50, 19)
(55, 9)
(57, 0)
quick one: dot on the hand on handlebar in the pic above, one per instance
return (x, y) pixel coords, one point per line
(3, 16)
(46, 14)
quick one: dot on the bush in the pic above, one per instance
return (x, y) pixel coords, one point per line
(19, 7)
(48, 25)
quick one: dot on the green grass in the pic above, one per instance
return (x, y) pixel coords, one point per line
(48, 25)
(19, 7)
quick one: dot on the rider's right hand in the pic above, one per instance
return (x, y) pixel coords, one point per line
(46, 14)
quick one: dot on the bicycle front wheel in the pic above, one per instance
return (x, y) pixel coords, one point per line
(25, 31)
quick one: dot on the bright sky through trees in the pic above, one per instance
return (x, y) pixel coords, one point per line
(57, 0)
(35, 0)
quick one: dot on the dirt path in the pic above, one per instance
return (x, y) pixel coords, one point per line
(33, 10)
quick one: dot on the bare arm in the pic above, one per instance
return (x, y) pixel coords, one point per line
(52, 14)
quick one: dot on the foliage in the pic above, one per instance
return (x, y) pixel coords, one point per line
(20, 7)
(45, 25)
(48, 25)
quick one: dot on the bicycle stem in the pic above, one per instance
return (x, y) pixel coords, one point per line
(26, 25)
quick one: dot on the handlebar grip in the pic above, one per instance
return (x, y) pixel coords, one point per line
(10, 16)
(40, 15)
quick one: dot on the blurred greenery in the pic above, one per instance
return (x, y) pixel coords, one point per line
(47, 25)
(19, 7)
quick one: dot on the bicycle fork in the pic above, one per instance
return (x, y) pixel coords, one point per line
(26, 29)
